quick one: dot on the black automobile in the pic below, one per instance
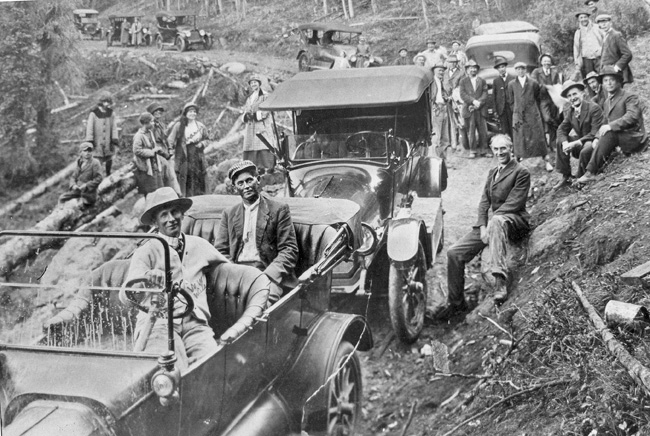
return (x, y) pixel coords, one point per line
(178, 30)
(86, 21)
(365, 135)
(71, 365)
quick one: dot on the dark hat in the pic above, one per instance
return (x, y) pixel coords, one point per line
(431, 40)
(591, 75)
(163, 197)
(85, 146)
(520, 65)
(441, 66)
(188, 106)
(472, 63)
(583, 12)
(153, 107)
(546, 55)
(255, 78)
(588, 1)
(452, 58)
(405, 49)
(609, 70)
(240, 167)
(603, 17)
(500, 61)
(569, 84)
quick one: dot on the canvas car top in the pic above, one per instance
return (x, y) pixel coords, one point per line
(501, 27)
(84, 11)
(161, 14)
(355, 87)
(325, 27)
(114, 16)
(482, 40)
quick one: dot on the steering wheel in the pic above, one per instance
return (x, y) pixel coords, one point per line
(127, 297)
(358, 144)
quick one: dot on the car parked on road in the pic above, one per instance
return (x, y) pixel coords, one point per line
(328, 45)
(86, 21)
(287, 368)
(513, 47)
(178, 30)
(365, 135)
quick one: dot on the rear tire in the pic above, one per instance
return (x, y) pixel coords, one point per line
(303, 62)
(344, 392)
(159, 43)
(407, 296)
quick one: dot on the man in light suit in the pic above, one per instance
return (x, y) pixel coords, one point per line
(622, 126)
(258, 231)
(583, 117)
(615, 49)
(474, 92)
(500, 95)
(505, 194)
(439, 115)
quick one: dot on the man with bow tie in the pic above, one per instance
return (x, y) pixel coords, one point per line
(259, 231)
(500, 95)
(583, 117)
(504, 194)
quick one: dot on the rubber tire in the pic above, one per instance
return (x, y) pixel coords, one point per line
(159, 43)
(303, 63)
(207, 45)
(442, 242)
(180, 44)
(406, 331)
(350, 373)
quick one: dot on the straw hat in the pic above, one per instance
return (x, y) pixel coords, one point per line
(163, 197)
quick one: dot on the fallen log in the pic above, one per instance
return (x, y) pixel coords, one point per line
(137, 97)
(227, 77)
(111, 211)
(66, 101)
(207, 82)
(65, 107)
(67, 216)
(39, 189)
(78, 97)
(639, 373)
(148, 63)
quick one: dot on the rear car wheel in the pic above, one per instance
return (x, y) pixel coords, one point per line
(159, 42)
(407, 296)
(344, 392)
(180, 44)
(303, 62)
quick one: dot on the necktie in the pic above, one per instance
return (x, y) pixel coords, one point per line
(496, 175)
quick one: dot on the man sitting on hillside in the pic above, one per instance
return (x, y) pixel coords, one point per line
(86, 177)
(583, 117)
(505, 193)
(622, 127)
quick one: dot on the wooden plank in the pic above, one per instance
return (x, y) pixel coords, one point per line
(639, 276)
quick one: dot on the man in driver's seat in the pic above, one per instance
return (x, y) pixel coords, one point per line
(190, 256)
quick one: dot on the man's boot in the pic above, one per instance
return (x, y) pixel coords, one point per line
(500, 289)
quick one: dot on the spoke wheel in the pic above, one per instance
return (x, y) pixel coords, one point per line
(303, 62)
(180, 44)
(207, 42)
(407, 297)
(159, 42)
(344, 393)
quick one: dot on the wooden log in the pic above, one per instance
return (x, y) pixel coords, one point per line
(148, 63)
(221, 73)
(137, 97)
(639, 373)
(39, 189)
(66, 101)
(65, 108)
(78, 97)
(639, 276)
(207, 82)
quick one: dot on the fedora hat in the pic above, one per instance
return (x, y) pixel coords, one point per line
(591, 75)
(163, 197)
(472, 63)
(582, 12)
(452, 58)
(153, 107)
(239, 167)
(609, 70)
(430, 41)
(569, 84)
(500, 61)
(436, 66)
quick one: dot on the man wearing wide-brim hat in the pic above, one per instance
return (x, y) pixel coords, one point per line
(622, 127)
(474, 92)
(595, 89)
(499, 92)
(190, 257)
(587, 44)
(583, 118)
(615, 49)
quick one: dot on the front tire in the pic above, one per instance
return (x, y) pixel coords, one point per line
(180, 44)
(303, 62)
(344, 392)
(207, 42)
(407, 296)
(159, 42)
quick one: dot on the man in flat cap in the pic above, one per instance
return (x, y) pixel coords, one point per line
(587, 44)
(86, 177)
(402, 59)
(615, 49)
(622, 126)
(499, 92)
(583, 118)
(259, 231)
(595, 89)
(432, 55)
(473, 92)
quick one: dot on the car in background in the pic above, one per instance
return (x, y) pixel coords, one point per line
(365, 135)
(178, 30)
(331, 45)
(71, 363)
(86, 21)
(513, 47)
(114, 33)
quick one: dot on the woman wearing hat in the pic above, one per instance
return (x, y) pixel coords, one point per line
(257, 122)
(101, 130)
(189, 137)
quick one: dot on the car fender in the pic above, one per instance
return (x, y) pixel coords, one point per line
(301, 52)
(404, 235)
(432, 177)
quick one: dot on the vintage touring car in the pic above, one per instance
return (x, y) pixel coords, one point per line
(178, 30)
(86, 21)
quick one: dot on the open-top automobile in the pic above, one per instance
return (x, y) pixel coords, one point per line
(178, 30)
(86, 21)
(365, 135)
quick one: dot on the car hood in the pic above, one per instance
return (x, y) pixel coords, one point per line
(185, 29)
(115, 381)
(351, 181)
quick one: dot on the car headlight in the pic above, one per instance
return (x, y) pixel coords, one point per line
(353, 58)
(202, 32)
(187, 33)
(163, 384)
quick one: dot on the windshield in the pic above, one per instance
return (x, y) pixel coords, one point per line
(70, 295)
(512, 51)
(363, 145)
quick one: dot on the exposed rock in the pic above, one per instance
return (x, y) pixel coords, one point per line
(233, 68)
(550, 233)
(176, 84)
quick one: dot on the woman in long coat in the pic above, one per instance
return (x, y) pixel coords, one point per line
(101, 130)
(124, 33)
(148, 157)
(257, 122)
(529, 137)
(189, 137)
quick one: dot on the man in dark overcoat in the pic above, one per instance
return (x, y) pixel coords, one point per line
(504, 194)
(499, 88)
(584, 118)
(615, 49)
(547, 75)
(622, 126)
(474, 92)
(527, 123)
